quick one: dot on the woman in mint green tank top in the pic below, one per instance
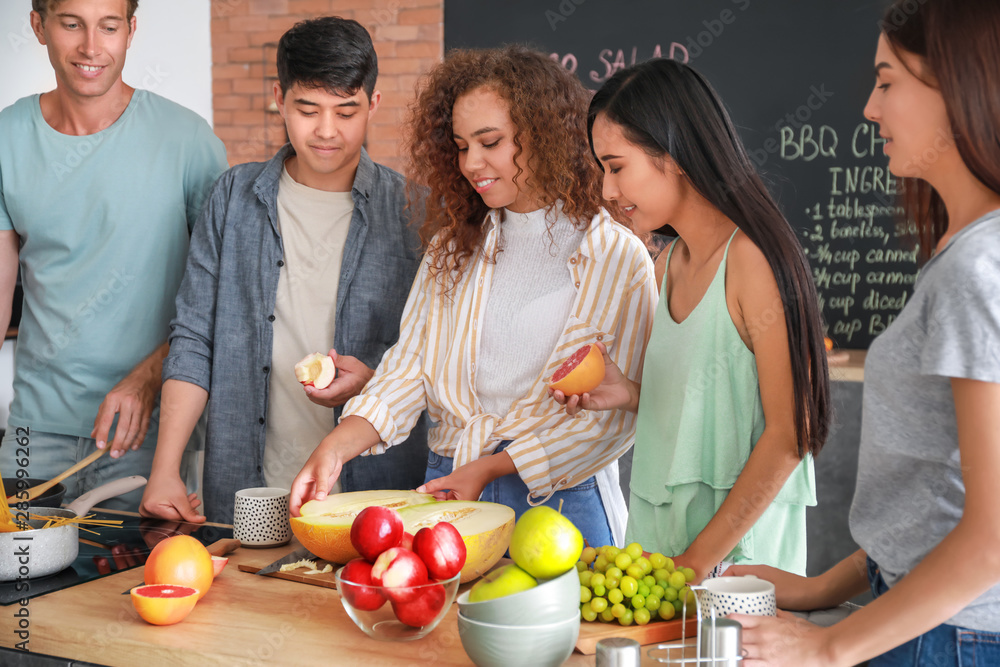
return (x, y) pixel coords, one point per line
(734, 398)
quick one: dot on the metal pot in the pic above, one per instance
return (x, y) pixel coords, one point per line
(37, 552)
(51, 498)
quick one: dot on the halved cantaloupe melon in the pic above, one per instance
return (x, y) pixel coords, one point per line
(325, 525)
(485, 528)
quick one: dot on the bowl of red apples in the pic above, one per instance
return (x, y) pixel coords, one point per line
(401, 587)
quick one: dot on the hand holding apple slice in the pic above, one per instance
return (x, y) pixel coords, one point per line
(316, 370)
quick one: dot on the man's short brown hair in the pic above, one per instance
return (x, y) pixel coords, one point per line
(43, 7)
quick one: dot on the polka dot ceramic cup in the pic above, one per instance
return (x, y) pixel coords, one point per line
(738, 595)
(261, 517)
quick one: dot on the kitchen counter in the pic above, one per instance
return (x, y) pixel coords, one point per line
(244, 620)
(847, 365)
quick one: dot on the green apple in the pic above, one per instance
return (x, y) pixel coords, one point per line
(502, 581)
(545, 543)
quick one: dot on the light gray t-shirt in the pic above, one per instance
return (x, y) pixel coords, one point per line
(910, 492)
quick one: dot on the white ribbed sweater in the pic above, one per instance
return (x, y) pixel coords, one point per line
(530, 298)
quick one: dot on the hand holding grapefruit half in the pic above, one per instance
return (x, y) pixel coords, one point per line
(581, 373)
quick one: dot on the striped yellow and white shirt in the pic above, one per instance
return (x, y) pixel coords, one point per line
(433, 365)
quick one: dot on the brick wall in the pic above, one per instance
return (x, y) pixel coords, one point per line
(408, 37)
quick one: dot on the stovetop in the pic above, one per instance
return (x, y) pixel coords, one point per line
(121, 548)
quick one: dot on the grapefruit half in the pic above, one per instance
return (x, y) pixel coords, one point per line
(163, 604)
(581, 373)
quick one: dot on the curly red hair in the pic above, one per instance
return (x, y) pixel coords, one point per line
(548, 106)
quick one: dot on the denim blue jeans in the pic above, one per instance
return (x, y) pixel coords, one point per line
(581, 504)
(944, 646)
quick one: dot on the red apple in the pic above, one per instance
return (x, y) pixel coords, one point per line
(423, 609)
(397, 569)
(363, 596)
(376, 529)
(442, 550)
(407, 541)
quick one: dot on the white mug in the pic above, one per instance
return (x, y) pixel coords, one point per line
(737, 595)
(261, 517)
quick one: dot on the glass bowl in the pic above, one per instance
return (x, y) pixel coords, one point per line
(398, 613)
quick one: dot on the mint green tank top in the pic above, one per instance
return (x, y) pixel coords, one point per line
(700, 415)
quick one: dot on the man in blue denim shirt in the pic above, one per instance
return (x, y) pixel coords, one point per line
(311, 246)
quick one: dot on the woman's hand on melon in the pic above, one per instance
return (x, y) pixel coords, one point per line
(467, 482)
(166, 497)
(615, 391)
(316, 478)
(463, 484)
(352, 376)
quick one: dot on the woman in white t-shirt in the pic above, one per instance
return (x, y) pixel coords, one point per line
(524, 267)
(925, 512)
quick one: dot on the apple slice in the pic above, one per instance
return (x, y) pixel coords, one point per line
(316, 370)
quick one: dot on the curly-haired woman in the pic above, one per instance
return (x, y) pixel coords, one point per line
(523, 267)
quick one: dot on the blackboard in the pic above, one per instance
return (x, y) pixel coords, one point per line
(795, 75)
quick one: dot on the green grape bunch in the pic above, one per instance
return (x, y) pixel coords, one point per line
(625, 586)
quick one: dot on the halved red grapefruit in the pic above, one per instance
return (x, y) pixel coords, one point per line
(581, 373)
(163, 604)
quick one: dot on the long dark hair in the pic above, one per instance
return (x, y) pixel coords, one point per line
(960, 43)
(667, 108)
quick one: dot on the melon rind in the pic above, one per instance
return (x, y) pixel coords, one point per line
(485, 528)
(325, 525)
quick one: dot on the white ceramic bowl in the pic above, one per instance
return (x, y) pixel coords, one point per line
(493, 645)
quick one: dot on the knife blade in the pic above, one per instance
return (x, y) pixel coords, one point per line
(217, 548)
(292, 557)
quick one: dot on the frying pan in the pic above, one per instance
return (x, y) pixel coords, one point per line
(37, 552)
(51, 498)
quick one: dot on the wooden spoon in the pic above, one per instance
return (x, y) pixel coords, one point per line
(38, 490)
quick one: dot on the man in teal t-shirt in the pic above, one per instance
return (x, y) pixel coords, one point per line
(100, 185)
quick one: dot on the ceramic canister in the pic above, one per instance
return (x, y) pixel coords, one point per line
(738, 595)
(261, 516)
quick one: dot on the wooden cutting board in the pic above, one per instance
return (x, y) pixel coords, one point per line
(254, 561)
(652, 633)
(326, 579)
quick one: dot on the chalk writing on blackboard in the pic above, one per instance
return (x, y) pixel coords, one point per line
(852, 234)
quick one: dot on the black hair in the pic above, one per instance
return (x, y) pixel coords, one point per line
(669, 109)
(329, 52)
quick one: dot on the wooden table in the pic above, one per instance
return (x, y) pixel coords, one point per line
(11, 333)
(244, 620)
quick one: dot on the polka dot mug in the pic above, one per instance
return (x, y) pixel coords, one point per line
(737, 595)
(261, 517)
